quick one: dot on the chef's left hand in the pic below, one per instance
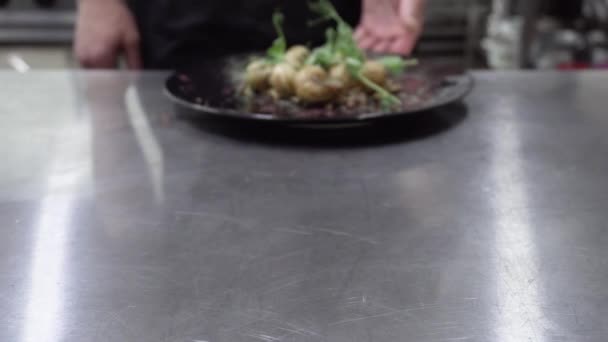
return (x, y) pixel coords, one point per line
(390, 26)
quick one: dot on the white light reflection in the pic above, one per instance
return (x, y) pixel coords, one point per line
(519, 315)
(153, 153)
(44, 312)
(70, 167)
(18, 63)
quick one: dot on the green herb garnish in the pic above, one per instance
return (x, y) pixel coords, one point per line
(396, 64)
(354, 67)
(324, 55)
(276, 53)
(340, 46)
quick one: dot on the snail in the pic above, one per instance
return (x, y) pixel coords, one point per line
(375, 72)
(312, 85)
(282, 79)
(257, 75)
(296, 55)
(340, 73)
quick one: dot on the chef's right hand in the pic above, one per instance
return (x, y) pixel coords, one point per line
(105, 31)
(390, 26)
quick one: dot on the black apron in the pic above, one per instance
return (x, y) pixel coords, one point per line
(176, 33)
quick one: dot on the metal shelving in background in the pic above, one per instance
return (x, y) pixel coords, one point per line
(35, 27)
(35, 22)
(36, 34)
(454, 30)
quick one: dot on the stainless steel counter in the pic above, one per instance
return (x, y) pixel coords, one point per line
(121, 222)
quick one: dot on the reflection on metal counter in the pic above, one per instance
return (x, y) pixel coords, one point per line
(121, 222)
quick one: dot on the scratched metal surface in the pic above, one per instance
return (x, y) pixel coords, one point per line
(119, 222)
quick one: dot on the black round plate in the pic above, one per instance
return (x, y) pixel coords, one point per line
(211, 88)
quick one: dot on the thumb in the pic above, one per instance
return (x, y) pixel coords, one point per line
(411, 13)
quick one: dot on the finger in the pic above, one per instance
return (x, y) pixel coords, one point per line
(367, 41)
(364, 38)
(402, 46)
(97, 59)
(382, 45)
(133, 53)
(133, 57)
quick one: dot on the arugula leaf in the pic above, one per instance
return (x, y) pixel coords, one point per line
(277, 51)
(396, 64)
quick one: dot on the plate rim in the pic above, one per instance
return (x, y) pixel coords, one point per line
(466, 76)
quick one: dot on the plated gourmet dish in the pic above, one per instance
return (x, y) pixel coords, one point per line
(334, 82)
(337, 73)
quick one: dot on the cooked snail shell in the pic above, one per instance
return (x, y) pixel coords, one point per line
(296, 55)
(375, 72)
(257, 75)
(313, 85)
(282, 79)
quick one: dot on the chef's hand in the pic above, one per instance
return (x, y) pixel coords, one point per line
(390, 26)
(105, 31)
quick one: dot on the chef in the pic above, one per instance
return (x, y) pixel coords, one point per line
(168, 33)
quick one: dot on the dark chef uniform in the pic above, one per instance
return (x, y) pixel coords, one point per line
(177, 32)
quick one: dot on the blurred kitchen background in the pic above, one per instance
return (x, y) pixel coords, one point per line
(497, 34)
